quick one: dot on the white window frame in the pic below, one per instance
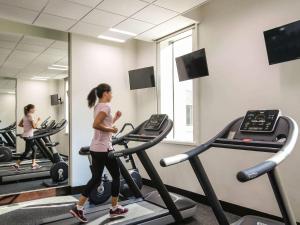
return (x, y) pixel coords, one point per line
(196, 88)
(67, 104)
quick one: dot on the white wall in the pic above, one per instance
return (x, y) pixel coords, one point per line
(240, 79)
(63, 136)
(8, 112)
(37, 93)
(94, 62)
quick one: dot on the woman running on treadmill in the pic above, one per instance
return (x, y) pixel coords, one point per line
(100, 147)
(29, 124)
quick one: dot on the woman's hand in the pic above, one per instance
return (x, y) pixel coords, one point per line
(114, 129)
(118, 114)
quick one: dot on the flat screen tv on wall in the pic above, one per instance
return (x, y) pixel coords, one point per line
(283, 43)
(141, 78)
(192, 65)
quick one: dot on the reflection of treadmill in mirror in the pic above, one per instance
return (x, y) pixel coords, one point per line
(157, 207)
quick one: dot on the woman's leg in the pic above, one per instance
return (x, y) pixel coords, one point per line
(98, 163)
(113, 167)
(25, 153)
(33, 153)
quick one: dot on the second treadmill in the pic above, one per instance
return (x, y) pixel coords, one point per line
(157, 207)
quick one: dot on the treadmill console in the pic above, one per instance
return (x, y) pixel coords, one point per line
(260, 121)
(155, 122)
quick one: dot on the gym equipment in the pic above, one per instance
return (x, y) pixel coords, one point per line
(8, 148)
(55, 167)
(158, 207)
(260, 131)
(102, 193)
(8, 136)
(8, 142)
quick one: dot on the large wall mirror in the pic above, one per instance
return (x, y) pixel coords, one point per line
(34, 84)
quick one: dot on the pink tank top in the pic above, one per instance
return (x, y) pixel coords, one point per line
(102, 140)
(27, 126)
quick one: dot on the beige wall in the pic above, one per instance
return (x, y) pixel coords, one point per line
(8, 112)
(94, 62)
(240, 79)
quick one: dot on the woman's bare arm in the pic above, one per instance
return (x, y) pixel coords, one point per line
(21, 123)
(98, 123)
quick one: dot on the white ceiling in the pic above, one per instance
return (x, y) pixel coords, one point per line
(25, 56)
(146, 18)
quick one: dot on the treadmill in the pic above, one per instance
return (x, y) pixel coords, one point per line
(259, 131)
(157, 207)
(43, 142)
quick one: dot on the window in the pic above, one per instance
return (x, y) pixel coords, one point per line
(189, 115)
(67, 104)
(176, 98)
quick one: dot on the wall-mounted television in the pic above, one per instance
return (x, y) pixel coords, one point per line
(55, 100)
(283, 43)
(141, 78)
(192, 65)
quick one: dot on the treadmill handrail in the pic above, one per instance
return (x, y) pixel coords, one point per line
(49, 132)
(275, 160)
(146, 145)
(172, 160)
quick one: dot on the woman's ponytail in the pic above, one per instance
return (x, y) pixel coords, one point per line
(97, 92)
(27, 108)
(92, 97)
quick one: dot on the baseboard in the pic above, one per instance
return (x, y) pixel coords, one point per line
(228, 207)
(76, 190)
(33, 195)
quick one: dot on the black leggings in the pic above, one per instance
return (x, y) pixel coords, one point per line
(29, 147)
(99, 160)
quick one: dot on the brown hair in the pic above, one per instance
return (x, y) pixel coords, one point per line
(97, 92)
(27, 108)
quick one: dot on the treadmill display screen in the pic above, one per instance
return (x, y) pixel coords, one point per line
(155, 122)
(260, 121)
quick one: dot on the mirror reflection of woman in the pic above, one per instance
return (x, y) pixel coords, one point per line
(28, 123)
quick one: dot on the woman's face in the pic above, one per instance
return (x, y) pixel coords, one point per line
(109, 95)
(32, 110)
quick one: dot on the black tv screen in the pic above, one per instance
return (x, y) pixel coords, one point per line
(192, 65)
(141, 78)
(54, 99)
(283, 43)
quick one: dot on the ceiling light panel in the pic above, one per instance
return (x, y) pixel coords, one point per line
(122, 7)
(108, 38)
(116, 35)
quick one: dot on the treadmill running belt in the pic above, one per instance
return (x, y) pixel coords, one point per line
(138, 213)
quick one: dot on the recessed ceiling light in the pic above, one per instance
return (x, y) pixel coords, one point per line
(111, 38)
(61, 76)
(61, 66)
(122, 32)
(57, 68)
(39, 78)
